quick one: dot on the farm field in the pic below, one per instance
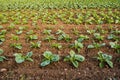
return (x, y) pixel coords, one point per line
(76, 40)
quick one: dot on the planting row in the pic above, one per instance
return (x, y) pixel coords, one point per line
(100, 16)
(57, 4)
(97, 36)
(49, 58)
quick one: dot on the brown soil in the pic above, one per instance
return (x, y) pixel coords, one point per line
(87, 70)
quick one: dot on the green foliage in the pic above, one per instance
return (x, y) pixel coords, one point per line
(1, 17)
(49, 38)
(48, 18)
(2, 39)
(115, 31)
(111, 28)
(21, 28)
(60, 32)
(77, 45)
(16, 45)
(2, 58)
(104, 58)
(49, 4)
(82, 37)
(96, 45)
(90, 31)
(74, 58)
(24, 21)
(113, 37)
(49, 58)
(30, 32)
(99, 29)
(31, 37)
(89, 16)
(1, 27)
(18, 31)
(35, 45)
(3, 32)
(48, 32)
(75, 31)
(50, 11)
(14, 37)
(11, 26)
(116, 46)
(65, 37)
(19, 58)
(57, 45)
(2, 36)
(98, 36)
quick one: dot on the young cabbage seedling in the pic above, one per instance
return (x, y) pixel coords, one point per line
(96, 45)
(48, 32)
(57, 45)
(16, 45)
(31, 37)
(18, 31)
(50, 28)
(115, 31)
(61, 27)
(30, 32)
(49, 38)
(116, 46)
(2, 39)
(110, 28)
(3, 32)
(24, 21)
(77, 45)
(75, 31)
(104, 58)
(11, 26)
(49, 58)
(98, 36)
(99, 29)
(14, 37)
(19, 58)
(35, 45)
(113, 37)
(60, 32)
(74, 58)
(90, 31)
(82, 37)
(1, 27)
(2, 58)
(21, 28)
(65, 37)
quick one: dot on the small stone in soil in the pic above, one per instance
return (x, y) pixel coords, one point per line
(78, 73)
(3, 70)
(65, 69)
